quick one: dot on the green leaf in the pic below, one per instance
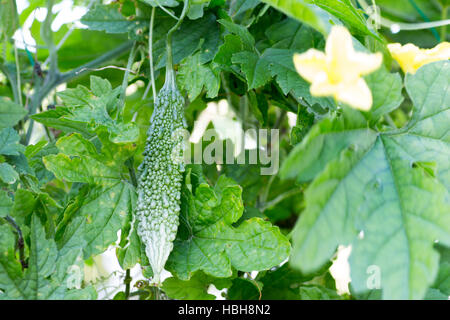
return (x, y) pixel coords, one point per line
(6, 204)
(193, 76)
(56, 118)
(81, 169)
(10, 268)
(79, 160)
(8, 174)
(344, 10)
(34, 154)
(247, 39)
(10, 113)
(207, 240)
(429, 90)
(302, 11)
(293, 35)
(164, 3)
(194, 289)
(256, 70)
(232, 44)
(100, 86)
(43, 255)
(324, 142)
(386, 90)
(8, 19)
(131, 250)
(196, 9)
(106, 210)
(281, 66)
(375, 198)
(106, 18)
(442, 282)
(239, 6)
(48, 272)
(9, 142)
(203, 34)
(244, 289)
(315, 292)
(86, 114)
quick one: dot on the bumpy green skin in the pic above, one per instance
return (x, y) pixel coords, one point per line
(161, 175)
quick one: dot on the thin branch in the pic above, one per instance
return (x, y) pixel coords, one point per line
(169, 59)
(20, 242)
(117, 52)
(19, 86)
(280, 198)
(127, 282)
(150, 52)
(125, 81)
(166, 11)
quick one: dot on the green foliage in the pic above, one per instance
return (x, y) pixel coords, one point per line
(10, 113)
(48, 272)
(86, 166)
(209, 242)
(387, 202)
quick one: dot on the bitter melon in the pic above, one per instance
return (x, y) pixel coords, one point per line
(161, 172)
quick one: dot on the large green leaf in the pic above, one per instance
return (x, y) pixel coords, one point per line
(208, 241)
(9, 142)
(193, 76)
(81, 169)
(79, 160)
(87, 112)
(47, 272)
(386, 91)
(10, 268)
(324, 142)
(5, 203)
(303, 11)
(194, 289)
(10, 113)
(383, 196)
(106, 18)
(346, 12)
(106, 210)
(203, 34)
(8, 18)
(8, 174)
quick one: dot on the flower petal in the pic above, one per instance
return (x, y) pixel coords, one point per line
(310, 64)
(322, 86)
(404, 55)
(356, 95)
(366, 63)
(339, 45)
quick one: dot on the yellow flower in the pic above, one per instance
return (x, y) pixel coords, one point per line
(338, 71)
(410, 58)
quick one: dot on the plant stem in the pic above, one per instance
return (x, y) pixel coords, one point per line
(170, 75)
(132, 173)
(280, 198)
(125, 82)
(20, 242)
(19, 86)
(150, 53)
(127, 282)
(444, 28)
